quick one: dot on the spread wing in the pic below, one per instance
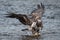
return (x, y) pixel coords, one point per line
(21, 17)
(25, 19)
(39, 11)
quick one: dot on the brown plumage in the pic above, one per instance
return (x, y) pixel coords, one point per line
(21, 17)
(35, 16)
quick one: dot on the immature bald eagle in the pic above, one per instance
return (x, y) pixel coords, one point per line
(34, 20)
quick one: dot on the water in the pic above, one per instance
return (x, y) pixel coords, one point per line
(10, 29)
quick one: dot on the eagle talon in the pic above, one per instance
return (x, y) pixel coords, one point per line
(24, 29)
(36, 34)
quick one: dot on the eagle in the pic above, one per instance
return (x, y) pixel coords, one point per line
(33, 20)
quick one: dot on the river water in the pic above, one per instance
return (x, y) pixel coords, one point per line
(10, 29)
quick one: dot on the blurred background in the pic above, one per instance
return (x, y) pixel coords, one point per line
(10, 29)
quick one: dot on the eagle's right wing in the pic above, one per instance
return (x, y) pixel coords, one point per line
(21, 17)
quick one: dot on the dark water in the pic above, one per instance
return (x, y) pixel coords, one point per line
(10, 29)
